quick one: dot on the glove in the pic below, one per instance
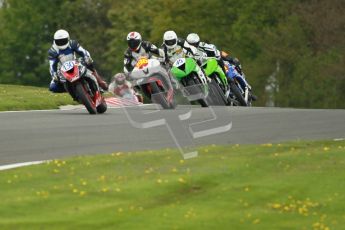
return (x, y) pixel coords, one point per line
(88, 60)
(56, 78)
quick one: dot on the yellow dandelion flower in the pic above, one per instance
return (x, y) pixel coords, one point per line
(174, 170)
(325, 148)
(105, 190)
(276, 206)
(82, 193)
(159, 181)
(256, 221)
(9, 181)
(181, 180)
(75, 190)
(120, 210)
(181, 161)
(246, 189)
(118, 190)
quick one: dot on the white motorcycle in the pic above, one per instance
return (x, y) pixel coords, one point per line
(153, 81)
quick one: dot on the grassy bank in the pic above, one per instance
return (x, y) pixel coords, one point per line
(297, 185)
(15, 97)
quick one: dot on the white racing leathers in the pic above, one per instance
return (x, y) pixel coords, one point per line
(146, 50)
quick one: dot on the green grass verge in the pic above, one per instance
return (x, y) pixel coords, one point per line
(16, 97)
(297, 185)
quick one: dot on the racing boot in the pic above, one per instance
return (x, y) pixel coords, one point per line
(100, 81)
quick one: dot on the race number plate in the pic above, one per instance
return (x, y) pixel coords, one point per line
(67, 66)
(179, 62)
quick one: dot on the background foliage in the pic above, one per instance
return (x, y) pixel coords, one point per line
(301, 42)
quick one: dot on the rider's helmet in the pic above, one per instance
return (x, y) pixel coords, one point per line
(193, 39)
(120, 78)
(134, 40)
(61, 39)
(170, 39)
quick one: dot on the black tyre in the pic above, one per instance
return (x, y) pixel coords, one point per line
(158, 96)
(236, 91)
(85, 98)
(101, 108)
(216, 94)
(190, 81)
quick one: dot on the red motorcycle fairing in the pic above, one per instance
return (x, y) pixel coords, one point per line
(170, 91)
(72, 74)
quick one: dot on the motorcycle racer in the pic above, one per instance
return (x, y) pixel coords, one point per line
(120, 87)
(230, 65)
(212, 51)
(65, 49)
(138, 48)
(175, 48)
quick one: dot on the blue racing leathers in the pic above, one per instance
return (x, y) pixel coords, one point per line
(57, 56)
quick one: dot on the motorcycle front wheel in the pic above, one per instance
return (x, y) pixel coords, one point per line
(85, 98)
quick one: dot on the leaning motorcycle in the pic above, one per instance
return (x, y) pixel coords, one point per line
(82, 86)
(219, 84)
(240, 89)
(153, 81)
(194, 82)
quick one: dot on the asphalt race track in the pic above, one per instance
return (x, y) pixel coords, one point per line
(42, 135)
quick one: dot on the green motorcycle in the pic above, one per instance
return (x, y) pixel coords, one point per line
(195, 83)
(220, 90)
(231, 93)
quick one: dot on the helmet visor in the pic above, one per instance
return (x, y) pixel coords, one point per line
(170, 42)
(133, 43)
(61, 42)
(195, 44)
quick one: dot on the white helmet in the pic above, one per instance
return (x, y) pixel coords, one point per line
(193, 39)
(170, 39)
(61, 39)
(134, 40)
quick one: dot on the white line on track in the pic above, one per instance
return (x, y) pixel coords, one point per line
(338, 139)
(74, 108)
(17, 165)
